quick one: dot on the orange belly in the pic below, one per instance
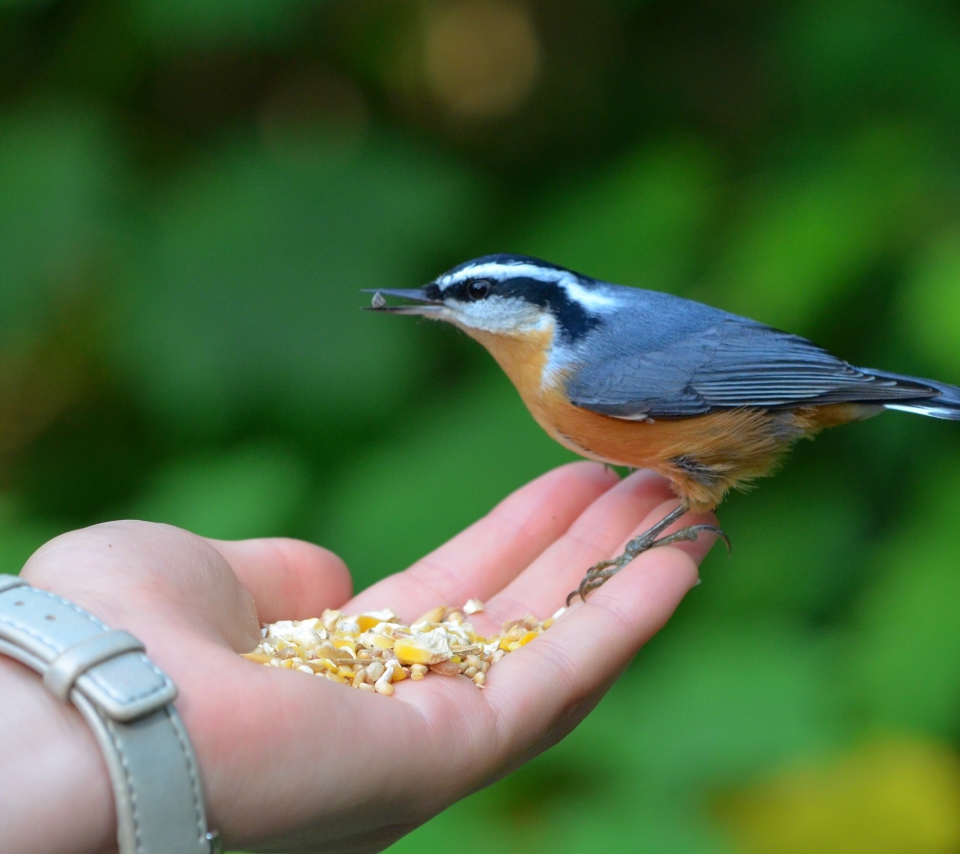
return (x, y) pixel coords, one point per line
(703, 457)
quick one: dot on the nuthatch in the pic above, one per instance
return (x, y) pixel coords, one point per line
(638, 378)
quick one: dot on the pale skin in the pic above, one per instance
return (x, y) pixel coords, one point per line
(295, 763)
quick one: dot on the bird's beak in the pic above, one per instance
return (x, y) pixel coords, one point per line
(424, 305)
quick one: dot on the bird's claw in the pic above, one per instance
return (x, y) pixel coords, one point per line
(600, 572)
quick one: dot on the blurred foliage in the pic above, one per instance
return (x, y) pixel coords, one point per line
(193, 193)
(888, 796)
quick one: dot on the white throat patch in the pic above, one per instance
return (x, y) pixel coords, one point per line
(499, 314)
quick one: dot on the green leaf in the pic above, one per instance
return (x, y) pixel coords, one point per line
(252, 491)
(589, 818)
(637, 223)
(796, 547)
(246, 294)
(809, 234)
(58, 178)
(205, 24)
(864, 54)
(904, 659)
(714, 705)
(439, 473)
(930, 304)
(20, 536)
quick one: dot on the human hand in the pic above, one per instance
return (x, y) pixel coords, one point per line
(293, 763)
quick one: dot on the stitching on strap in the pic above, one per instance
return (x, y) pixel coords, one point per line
(103, 685)
(188, 757)
(128, 781)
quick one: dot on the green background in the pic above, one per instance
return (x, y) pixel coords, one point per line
(193, 193)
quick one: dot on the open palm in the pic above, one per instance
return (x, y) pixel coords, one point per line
(291, 762)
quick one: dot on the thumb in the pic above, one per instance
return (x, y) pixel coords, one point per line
(289, 579)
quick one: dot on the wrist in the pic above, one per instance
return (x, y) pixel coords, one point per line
(57, 794)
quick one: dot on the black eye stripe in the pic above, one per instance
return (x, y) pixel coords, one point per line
(574, 320)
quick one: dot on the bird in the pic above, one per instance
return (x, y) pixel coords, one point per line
(645, 379)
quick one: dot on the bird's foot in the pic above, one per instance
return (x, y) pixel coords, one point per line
(600, 572)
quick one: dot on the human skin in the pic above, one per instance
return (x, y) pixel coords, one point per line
(293, 763)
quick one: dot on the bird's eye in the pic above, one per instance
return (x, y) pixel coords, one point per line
(478, 289)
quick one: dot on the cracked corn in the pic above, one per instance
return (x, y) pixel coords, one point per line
(372, 651)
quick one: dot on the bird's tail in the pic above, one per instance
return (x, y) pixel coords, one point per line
(945, 403)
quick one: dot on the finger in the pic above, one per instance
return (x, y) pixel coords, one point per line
(554, 681)
(489, 554)
(601, 532)
(289, 579)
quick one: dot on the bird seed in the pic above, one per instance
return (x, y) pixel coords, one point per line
(373, 651)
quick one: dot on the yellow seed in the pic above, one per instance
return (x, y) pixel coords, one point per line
(377, 641)
(353, 653)
(411, 651)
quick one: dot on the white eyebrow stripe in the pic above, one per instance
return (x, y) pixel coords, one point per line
(588, 298)
(499, 272)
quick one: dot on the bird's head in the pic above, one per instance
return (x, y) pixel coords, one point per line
(511, 295)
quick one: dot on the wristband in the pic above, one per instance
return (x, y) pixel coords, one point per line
(127, 701)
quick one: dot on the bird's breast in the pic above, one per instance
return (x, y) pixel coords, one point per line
(703, 456)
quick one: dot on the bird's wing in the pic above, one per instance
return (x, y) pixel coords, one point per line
(733, 362)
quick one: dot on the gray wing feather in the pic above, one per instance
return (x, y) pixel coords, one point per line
(698, 359)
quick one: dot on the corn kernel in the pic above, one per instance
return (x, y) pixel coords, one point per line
(373, 651)
(422, 648)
